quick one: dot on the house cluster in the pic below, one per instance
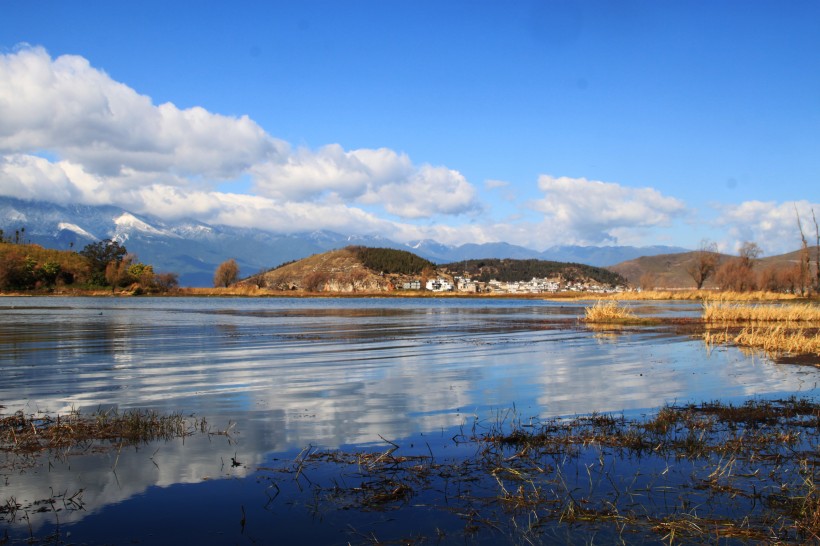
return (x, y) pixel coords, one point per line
(534, 286)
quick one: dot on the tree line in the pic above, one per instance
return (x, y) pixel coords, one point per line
(742, 274)
(510, 270)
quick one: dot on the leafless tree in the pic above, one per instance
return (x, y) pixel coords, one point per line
(226, 273)
(816, 253)
(803, 257)
(704, 263)
(738, 274)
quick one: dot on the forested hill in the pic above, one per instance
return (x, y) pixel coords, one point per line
(389, 260)
(508, 270)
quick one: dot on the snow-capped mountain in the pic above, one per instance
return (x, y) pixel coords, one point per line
(193, 249)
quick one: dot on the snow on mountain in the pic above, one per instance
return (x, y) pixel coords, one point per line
(67, 226)
(193, 249)
(127, 223)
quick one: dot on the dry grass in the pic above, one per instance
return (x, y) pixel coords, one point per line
(792, 329)
(609, 312)
(779, 339)
(723, 312)
(705, 295)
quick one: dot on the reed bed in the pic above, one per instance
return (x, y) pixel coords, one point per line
(705, 295)
(792, 329)
(795, 312)
(709, 473)
(779, 339)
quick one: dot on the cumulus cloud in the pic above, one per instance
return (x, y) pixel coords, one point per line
(78, 112)
(70, 133)
(772, 225)
(368, 176)
(585, 211)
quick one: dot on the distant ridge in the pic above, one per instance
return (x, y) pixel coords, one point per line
(193, 249)
(670, 270)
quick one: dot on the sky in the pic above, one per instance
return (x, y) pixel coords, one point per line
(537, 123)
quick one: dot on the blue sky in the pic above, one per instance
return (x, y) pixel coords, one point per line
(535, 123)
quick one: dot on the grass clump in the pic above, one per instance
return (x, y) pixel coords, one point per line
(613, 312)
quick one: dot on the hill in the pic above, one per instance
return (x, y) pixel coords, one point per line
(524, 270)
(351, 269)
(671, 270)
(28, 266)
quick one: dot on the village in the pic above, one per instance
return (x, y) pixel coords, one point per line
(533, 286)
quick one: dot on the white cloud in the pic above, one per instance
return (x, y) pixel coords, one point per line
(30, 177)
(381, 177)
(772, 225)
(582, 211)
(428, 192)
(79, 113)
(112, 145)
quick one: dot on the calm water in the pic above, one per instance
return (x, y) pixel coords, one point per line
(284, 374)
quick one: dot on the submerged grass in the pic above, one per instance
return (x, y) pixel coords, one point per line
(21, 433)
(703, 473)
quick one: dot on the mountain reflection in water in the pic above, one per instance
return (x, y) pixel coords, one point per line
(289, 373)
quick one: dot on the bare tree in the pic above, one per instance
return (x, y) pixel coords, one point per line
(226, 273)
(816, 253)
(749, 252)
(804, 258)
(738, 274)
(704, 263)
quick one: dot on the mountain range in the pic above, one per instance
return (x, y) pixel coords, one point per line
(193, 249)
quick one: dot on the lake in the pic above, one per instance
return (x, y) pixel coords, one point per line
(282, 375)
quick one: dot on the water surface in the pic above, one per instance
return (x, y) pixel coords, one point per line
(283, 374)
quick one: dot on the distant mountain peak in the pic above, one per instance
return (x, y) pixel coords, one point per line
(126, 222)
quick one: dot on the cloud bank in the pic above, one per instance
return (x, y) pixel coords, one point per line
(773, 225)
(72, 134)
(593, 212)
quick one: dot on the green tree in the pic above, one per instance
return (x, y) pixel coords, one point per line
(99, 255)
(48, 272)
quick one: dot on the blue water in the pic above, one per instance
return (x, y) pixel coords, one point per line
(284, 374)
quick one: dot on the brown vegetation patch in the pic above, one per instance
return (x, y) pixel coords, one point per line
(31, 434)
(695, 473)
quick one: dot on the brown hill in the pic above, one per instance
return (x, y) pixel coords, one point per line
(671, 270)
(345, 271)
